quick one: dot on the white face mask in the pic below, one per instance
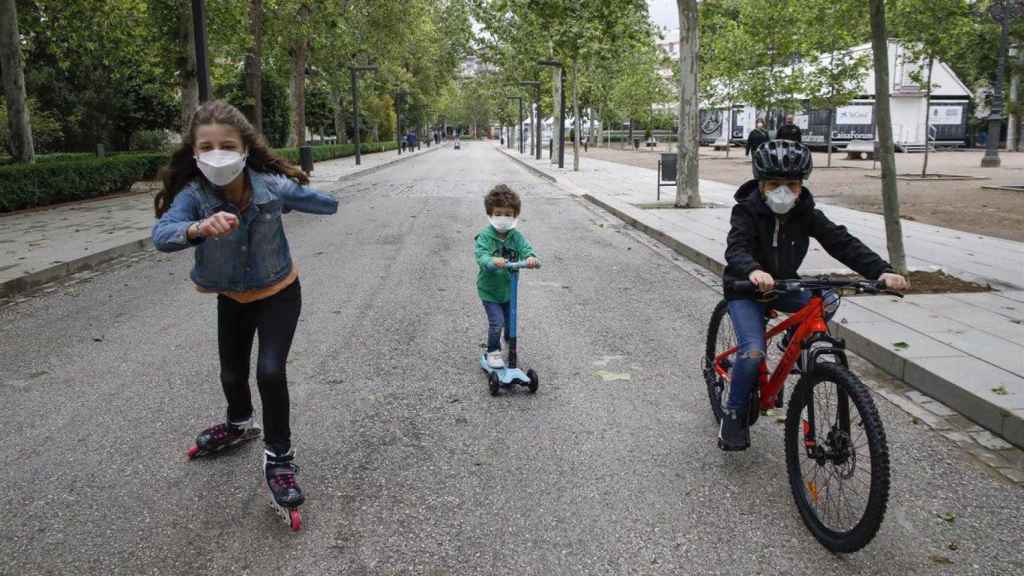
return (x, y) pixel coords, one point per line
(503, 223)
(220, 167)
(780, 199)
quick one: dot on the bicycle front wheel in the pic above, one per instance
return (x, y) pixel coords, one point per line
(837, 458)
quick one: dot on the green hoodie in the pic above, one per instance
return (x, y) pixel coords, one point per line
(493, 284)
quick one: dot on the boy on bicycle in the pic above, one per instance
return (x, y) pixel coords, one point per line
(772, 223)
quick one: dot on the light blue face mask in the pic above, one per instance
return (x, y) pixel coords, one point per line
(503, 223)
(780, 199)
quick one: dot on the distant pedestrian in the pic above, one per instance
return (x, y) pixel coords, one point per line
(789, 131)
(223, 194)
(757, 136)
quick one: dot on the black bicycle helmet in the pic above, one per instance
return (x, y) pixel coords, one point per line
(782, 159)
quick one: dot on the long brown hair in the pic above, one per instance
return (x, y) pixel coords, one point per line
(182, 168)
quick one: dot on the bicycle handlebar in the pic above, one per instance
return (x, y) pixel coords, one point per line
(747, 288)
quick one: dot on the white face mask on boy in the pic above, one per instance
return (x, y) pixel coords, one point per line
(503, 223)
(220, 166)
(780, 199)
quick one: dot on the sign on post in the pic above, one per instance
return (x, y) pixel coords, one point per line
(667, 171)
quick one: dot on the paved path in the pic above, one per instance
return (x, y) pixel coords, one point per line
(42, 245)
(966, 350)
(410, 467)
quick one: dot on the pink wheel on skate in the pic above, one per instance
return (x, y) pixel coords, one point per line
(296, 519)
(192, 452)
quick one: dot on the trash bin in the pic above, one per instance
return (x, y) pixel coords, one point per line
(306, 158)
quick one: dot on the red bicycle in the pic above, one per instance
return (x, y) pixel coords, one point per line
(837, 458)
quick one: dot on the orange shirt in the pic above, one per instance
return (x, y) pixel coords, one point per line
(260, 293)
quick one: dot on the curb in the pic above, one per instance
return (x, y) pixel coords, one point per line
(46, 275)
(532, 169)
(1007, 424)
(35, 279)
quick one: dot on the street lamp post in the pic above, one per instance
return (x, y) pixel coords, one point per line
(1002, 11)
(536, 105)
(561, 108)
(399, 96)
(354, 72)
(202, 64)
(520, 142)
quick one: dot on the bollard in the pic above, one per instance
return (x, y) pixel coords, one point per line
(306, 159)
(100, 150)
(551, 147)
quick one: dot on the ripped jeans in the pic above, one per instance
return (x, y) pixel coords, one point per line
(748, 321)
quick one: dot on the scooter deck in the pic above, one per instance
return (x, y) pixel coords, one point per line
(507, 376)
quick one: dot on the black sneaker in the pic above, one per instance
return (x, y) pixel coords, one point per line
(733, 434)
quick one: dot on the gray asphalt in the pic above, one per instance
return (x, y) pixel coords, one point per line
(409, 466)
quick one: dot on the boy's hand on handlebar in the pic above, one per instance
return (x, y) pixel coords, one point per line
(894, 282)
(219, 225)
(762, 280)
(532, 262)
(499, 262)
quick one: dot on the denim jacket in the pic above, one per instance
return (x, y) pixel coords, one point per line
(256, 254)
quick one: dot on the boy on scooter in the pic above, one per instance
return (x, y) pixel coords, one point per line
(772, 223)
(493, 243)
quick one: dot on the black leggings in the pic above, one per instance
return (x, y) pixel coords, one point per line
(275, 319)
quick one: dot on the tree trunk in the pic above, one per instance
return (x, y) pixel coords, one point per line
(1013, 121)
(556, 107)
(14, 85)
(728, 135)
(629, 136)
(188, 73)
(890, 197)
(687, 182)
(927, 118)
(575, 118)
(340, 123)
(298, 137)
(828, 137)
(254, 66)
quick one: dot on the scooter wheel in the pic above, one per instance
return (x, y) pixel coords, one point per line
(534, 381)
(493, 384)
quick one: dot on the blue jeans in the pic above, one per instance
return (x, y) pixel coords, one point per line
(748, 320)
(497, 314)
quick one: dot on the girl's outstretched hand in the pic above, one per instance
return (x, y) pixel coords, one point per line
(532, 262)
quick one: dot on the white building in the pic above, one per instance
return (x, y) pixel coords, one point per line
(856, 121)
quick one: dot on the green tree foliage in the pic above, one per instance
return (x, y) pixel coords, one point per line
(95, 66)
(276, 112)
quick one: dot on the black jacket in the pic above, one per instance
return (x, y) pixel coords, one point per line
(756, 137)
(789, 132)
(752, 244)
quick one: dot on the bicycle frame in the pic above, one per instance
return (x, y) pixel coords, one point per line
(810, 320)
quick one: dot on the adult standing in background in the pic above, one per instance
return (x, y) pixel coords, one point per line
(789, 131)
(757, 136)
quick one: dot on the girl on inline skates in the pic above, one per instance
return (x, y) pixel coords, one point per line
(224, 192)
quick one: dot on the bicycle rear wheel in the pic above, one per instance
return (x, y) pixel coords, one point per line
(721, 337)
(837, 458)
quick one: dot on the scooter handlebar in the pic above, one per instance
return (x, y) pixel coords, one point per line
(519, 265)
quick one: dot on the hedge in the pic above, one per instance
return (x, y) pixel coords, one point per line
(75, 177)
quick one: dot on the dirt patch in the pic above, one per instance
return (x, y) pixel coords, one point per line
(939, 282)
(932, 177)
(958, 204)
